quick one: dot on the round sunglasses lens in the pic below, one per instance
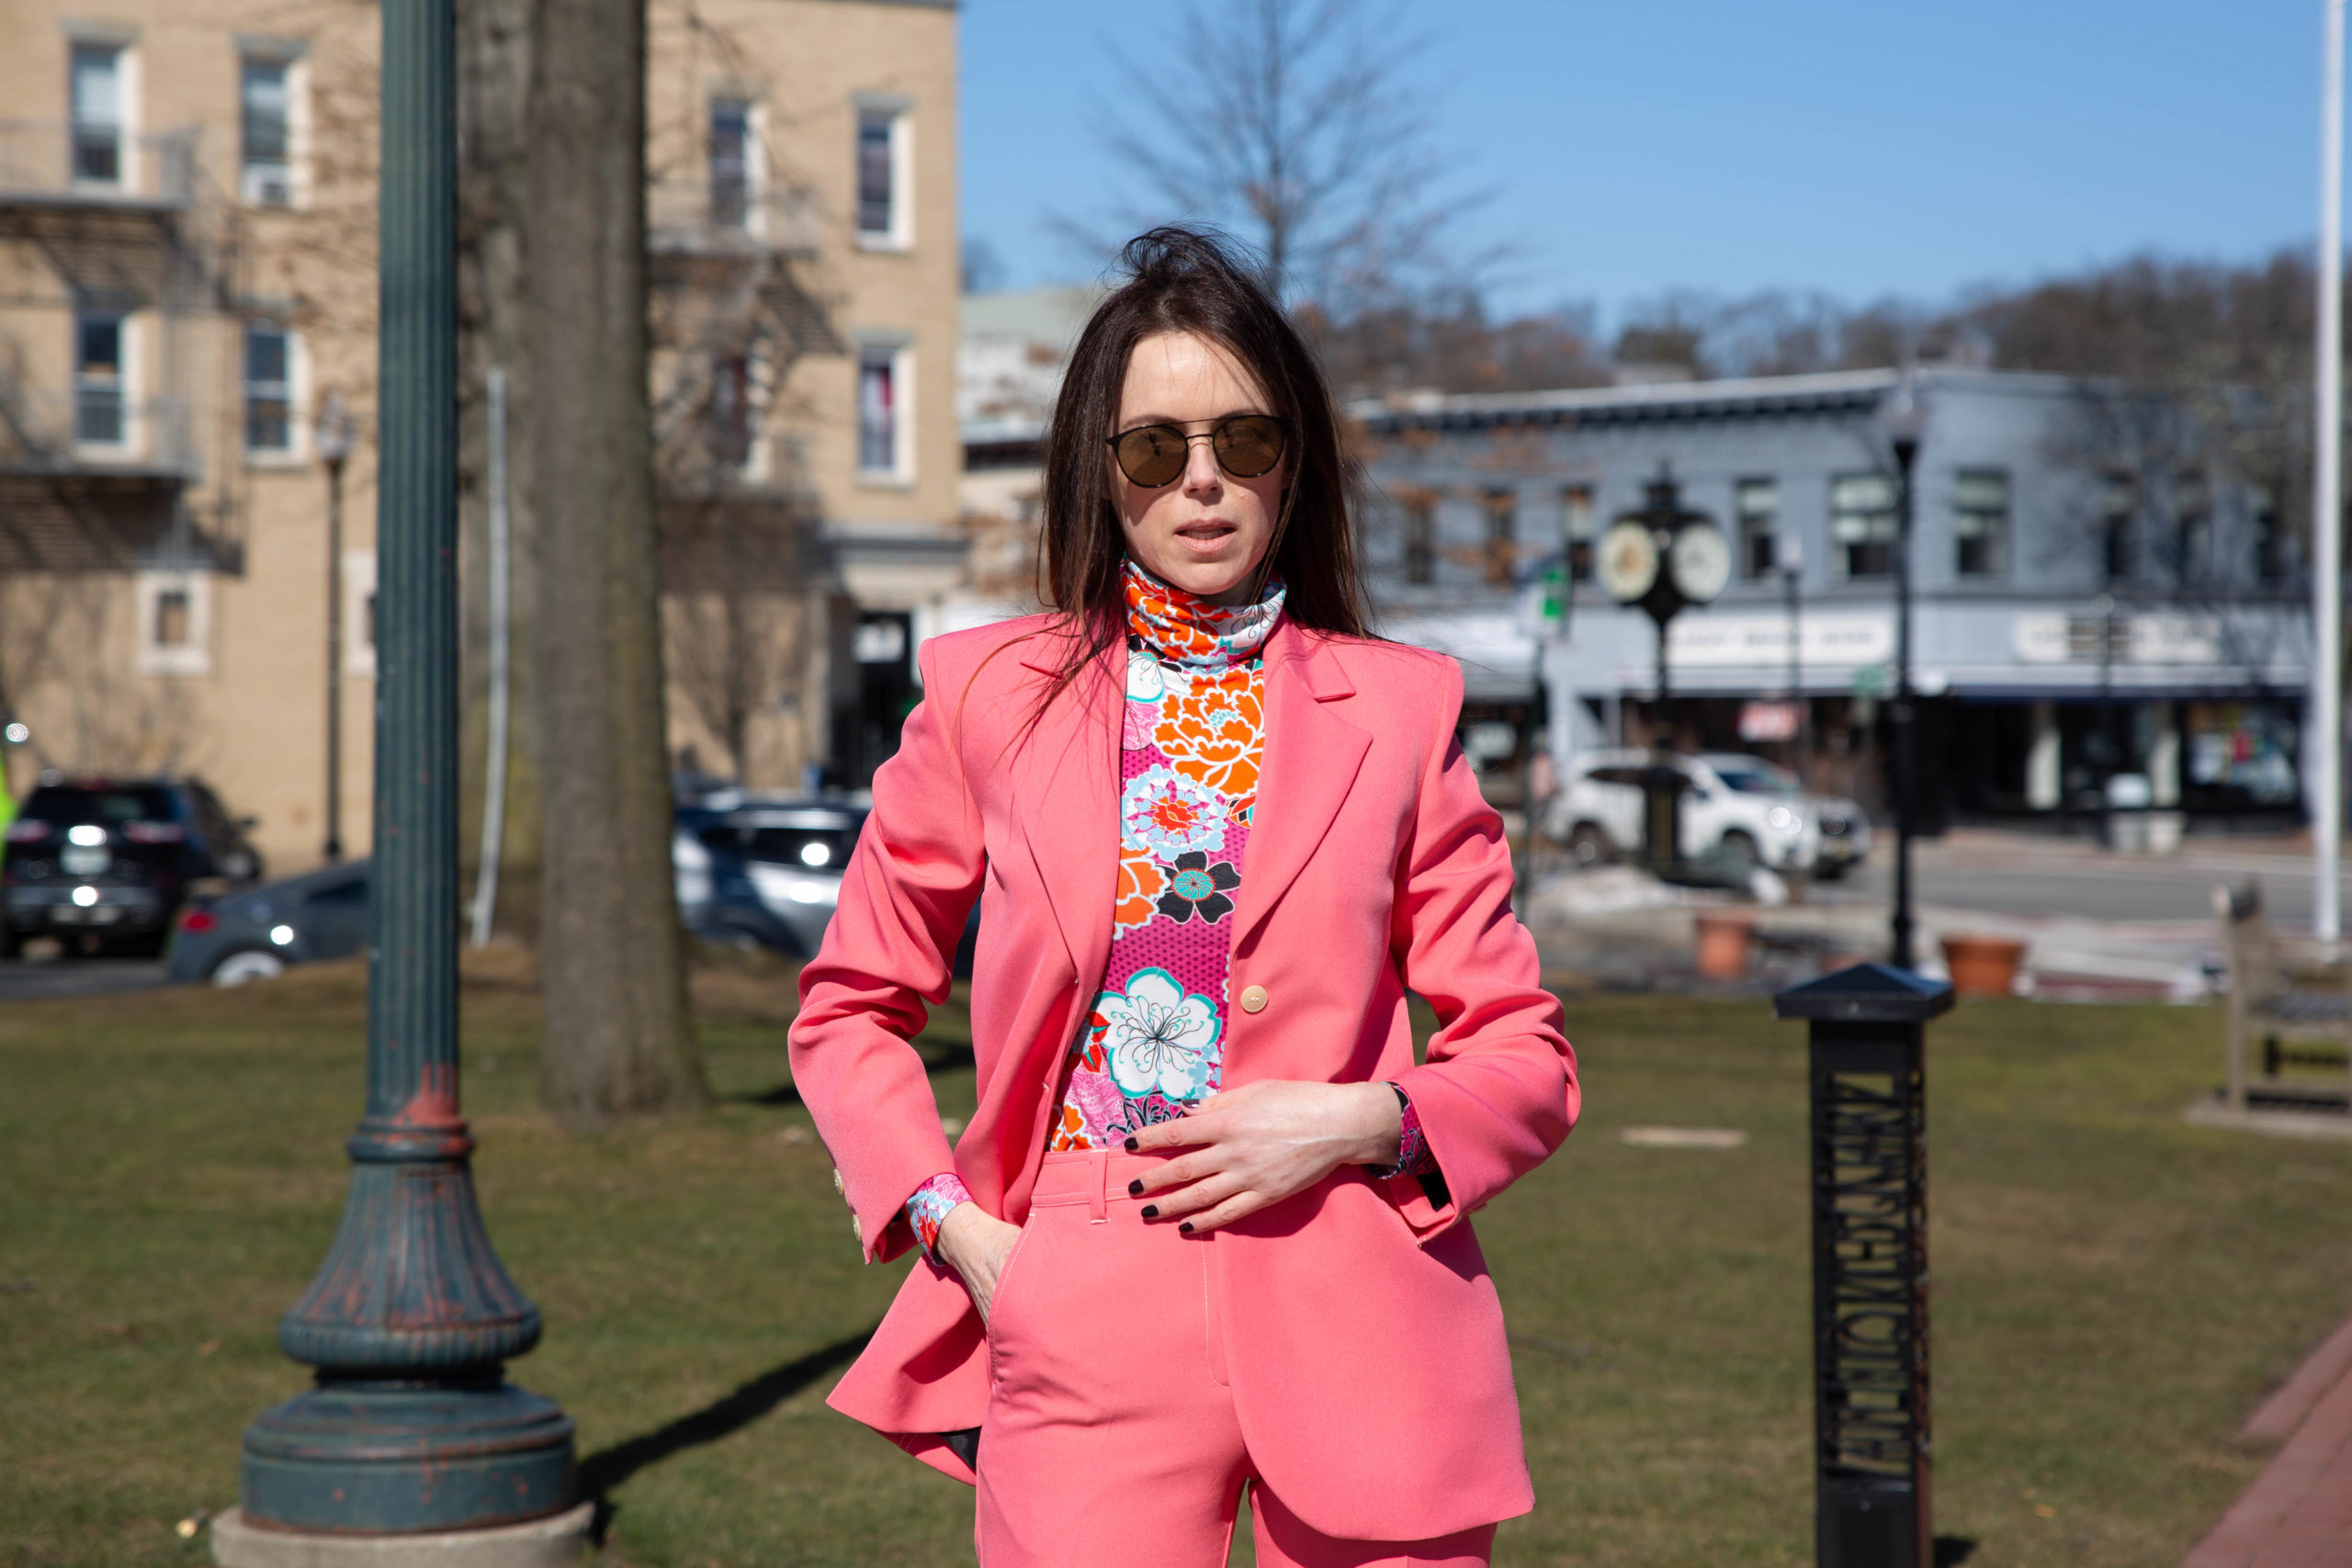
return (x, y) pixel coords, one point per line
(1153, 455)
(1248, 447)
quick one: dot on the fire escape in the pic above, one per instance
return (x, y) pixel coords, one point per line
(115, 258)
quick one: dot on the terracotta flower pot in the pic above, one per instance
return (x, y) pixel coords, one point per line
(1983, 966)
(1723, 942)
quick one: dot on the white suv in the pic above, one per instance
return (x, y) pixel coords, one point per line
(1598, 814)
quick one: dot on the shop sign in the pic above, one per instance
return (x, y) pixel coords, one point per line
(2055, 637)
(1700, 642)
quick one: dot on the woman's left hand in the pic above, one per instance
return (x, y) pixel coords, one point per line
(1259, 1144)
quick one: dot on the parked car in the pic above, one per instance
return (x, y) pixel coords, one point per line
(110, 861)
(255, 934)
(1845, 827)
(766, 869)
(1598, 812)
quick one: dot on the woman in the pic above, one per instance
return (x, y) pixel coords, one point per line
(1206, 1227)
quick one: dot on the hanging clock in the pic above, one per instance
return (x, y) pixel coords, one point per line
(1629, 563)
(1700, 562)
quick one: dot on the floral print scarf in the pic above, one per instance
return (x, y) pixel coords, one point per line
(1192, 737)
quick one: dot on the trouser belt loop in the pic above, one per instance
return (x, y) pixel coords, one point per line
(1098, 1190)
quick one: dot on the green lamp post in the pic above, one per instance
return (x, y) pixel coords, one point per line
(411, 1427)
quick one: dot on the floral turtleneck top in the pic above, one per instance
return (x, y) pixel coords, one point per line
(1192, 737)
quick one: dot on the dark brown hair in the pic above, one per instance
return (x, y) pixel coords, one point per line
(1189, 280)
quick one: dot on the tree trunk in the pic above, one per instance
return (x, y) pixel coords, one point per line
(493, 198)
(619, 1039)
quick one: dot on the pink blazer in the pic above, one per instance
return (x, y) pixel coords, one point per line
(1364, 1340)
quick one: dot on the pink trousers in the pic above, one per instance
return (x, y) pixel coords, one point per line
(1110, 1435)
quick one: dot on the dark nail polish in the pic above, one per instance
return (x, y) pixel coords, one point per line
(1131, 1146)
(1151, 1211)
(1134, 1187)
(1186, 1227)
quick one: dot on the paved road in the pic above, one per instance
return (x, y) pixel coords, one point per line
(24, 979)
(2056, 876)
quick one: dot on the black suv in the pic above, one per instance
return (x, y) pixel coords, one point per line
(111, 860)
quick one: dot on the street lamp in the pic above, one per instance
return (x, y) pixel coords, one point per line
(332, 441)
(412, 1428)
(1791, 561)
(1904, 418)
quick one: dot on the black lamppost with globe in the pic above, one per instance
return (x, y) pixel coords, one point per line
(1662, 559)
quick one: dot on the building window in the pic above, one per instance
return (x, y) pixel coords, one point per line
(1501, 554)
(1980, 521)
(1420, 538)
(881, 412)
(266, 134)
(2269, 538)
(101, 379)
(98, 102)
(882, 178)
(1863, 523)
(2118, 506)
(1757, 503)
(730, 412)
(730, 164)
(2193, 526)
(173, 614)
(1577, 512)
(269, 389)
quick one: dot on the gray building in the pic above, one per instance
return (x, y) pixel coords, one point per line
(2098, 592)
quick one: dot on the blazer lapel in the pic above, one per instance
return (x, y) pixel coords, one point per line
(1310, 762)
(1066, 798)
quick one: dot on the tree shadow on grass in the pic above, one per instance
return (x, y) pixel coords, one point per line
(1951, 1551)
(602, 1471)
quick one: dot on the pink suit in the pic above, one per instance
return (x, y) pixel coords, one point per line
(1357, 1328)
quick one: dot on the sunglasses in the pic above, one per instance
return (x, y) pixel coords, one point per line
(1153, 455)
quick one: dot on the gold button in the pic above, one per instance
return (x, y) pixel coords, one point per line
(1254, 1000)
(857, 1229)
(837, 1184)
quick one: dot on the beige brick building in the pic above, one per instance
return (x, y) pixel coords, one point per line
(186, 275)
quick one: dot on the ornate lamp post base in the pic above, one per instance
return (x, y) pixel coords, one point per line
(390, 1456)
(543, 1543)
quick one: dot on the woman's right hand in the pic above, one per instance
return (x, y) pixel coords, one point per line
(975, 1244)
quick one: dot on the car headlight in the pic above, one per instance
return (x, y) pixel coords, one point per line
(1782, 818)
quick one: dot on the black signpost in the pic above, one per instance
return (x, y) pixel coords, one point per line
(1869, 1261)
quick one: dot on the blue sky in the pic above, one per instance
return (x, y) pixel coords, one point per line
(1637, 145)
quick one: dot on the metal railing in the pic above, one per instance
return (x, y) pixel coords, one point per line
(93, 431)
(689, 214)
(88, 165)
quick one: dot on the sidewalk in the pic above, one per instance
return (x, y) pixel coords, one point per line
(2298, 1514)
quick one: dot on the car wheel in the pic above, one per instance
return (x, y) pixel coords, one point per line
(1739, 849)
(243, 968)
(147, 944)
(1589, 847)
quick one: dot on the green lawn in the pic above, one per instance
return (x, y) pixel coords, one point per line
(2113, 1289)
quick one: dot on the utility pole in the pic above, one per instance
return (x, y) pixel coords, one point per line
(1904, 425)
(333, 440)
(2327, 503)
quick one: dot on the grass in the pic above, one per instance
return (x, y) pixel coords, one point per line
(2113, 1289)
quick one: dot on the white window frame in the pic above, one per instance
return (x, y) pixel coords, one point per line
(901, 353)
(297, 450)
(755, 158)
(126, 91)
(900, 233)
(294, 58)
(193, 657)
(127, 382)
